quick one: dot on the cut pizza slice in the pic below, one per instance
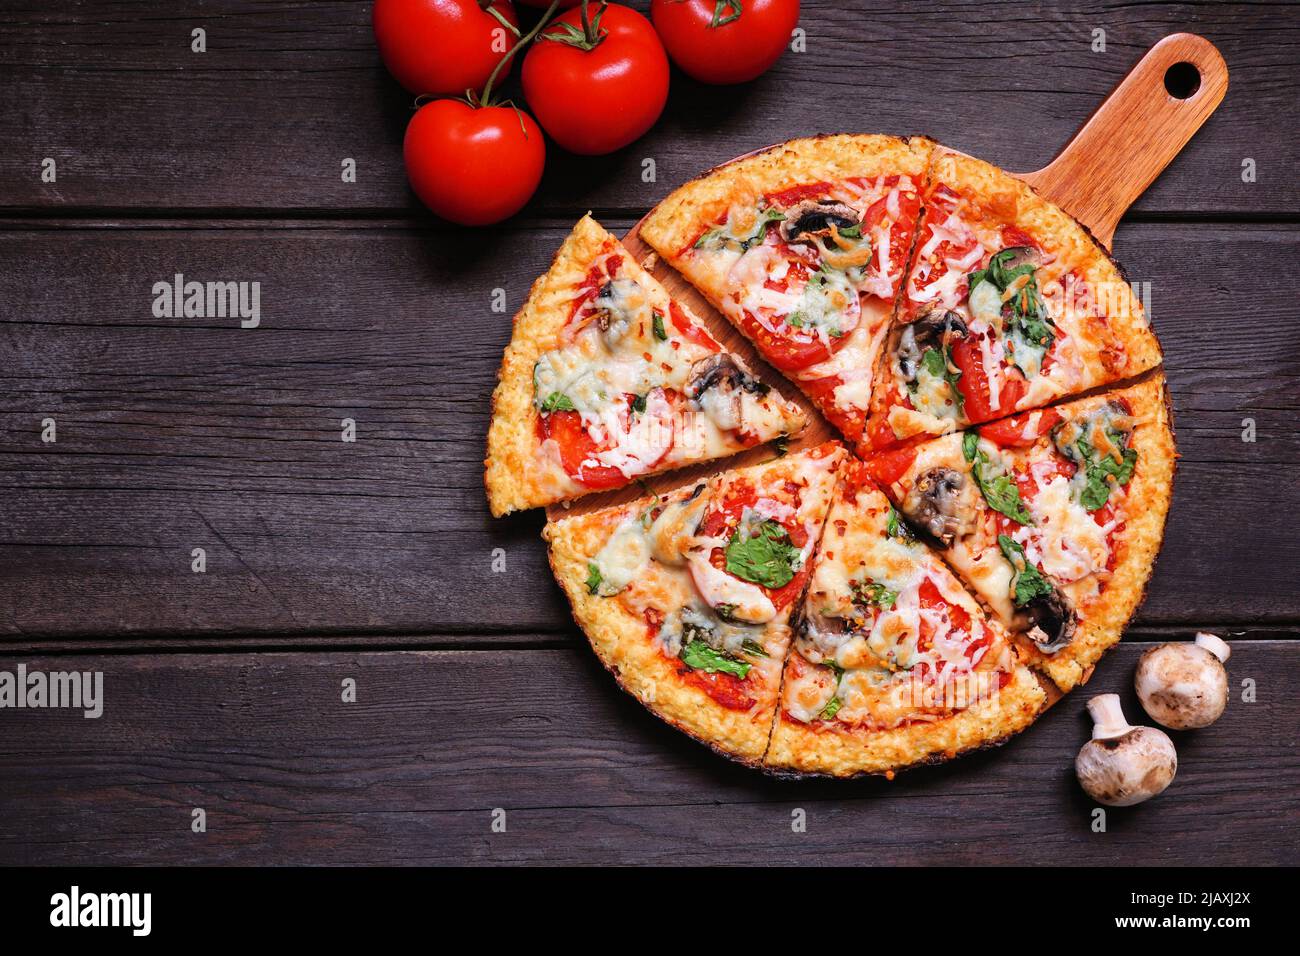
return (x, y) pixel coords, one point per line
(893, 663)
(608, 378)
(803, 248)
(1052, 517)
(1009, 305)
(686, 597)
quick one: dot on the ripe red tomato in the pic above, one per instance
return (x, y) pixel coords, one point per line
(543, 4)
(725, 41)
(596, 97)
(474, 166)
(442, 46)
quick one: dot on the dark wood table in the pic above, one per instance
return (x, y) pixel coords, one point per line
(376, 561)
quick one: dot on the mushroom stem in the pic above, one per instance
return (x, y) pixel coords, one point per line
(1216, 646)
(1107, 717)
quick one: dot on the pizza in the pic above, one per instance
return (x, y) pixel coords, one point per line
(1051, 517)
(1009, 305)
(607, 378)
(804, 247)
(894, 662)
(931, 588)
(686, 597)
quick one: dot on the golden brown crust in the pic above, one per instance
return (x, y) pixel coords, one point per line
(1138, 544)
(677, 221)
(846, 752)
(512, 473)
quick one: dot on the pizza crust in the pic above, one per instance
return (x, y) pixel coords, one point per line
(676, 222)
(846, 752)
(511, 473)
(620, 641)
(1150, 491)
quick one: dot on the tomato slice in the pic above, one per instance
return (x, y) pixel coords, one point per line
(891, 466)
(689, 331)
(974, 383)
(576, 448)
(1010, 432)
(652, 434)
(850, 421)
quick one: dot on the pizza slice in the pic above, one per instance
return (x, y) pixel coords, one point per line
(803, 247)
(1053, 517)
(686, 597)
(1010, 305)
(608, 378)
(893, 663)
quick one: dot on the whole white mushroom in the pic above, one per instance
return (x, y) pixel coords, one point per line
(1184, 685)
(1122, 765)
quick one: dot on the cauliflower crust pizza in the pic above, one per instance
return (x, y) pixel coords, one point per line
(686, 598)
(1009, 305)
(803, 247)
(607, 378)
(1052, 517)
(893, 663)
(833, 611)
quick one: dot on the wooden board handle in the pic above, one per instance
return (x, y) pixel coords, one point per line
(1135, 133)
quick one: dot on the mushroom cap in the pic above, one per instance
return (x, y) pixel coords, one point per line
(1182, 685)
(1121, 771)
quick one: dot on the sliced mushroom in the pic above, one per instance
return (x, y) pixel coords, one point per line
(619, 303)
(1184, 686)
(1049, 621)
(819, 635)
(814, 217)
(933, 330)
(943, 503)
(718, 386)
(1123, 765)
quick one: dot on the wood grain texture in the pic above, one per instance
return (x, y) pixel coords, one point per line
(1135, 133)
(176, 434)
(411, 771)
(136, 121)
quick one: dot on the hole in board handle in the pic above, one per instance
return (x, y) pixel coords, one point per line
(1182, 80)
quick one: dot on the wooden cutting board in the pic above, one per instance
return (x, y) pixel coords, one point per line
(1117, 153)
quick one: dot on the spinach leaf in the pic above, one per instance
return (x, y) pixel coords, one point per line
(594, 577)
(875, 593)
(699, 656)
(752, 648)
(638, 404)
(658, 319)
(1029, 582)
(1100, 469)
(831, 709)
(558, 402)
(999, 491)
(765, 557)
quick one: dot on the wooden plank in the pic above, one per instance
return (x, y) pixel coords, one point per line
(182, 433)
(411, 772)
(136, 120)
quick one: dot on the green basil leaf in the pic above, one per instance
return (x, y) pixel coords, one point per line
(660, 333)
(1029, 582)
(699, 656)
(558, 402)
(831, 709)
(767, 557)
(970, 444)
(874, 593)
(753, 648)
(594, 577)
